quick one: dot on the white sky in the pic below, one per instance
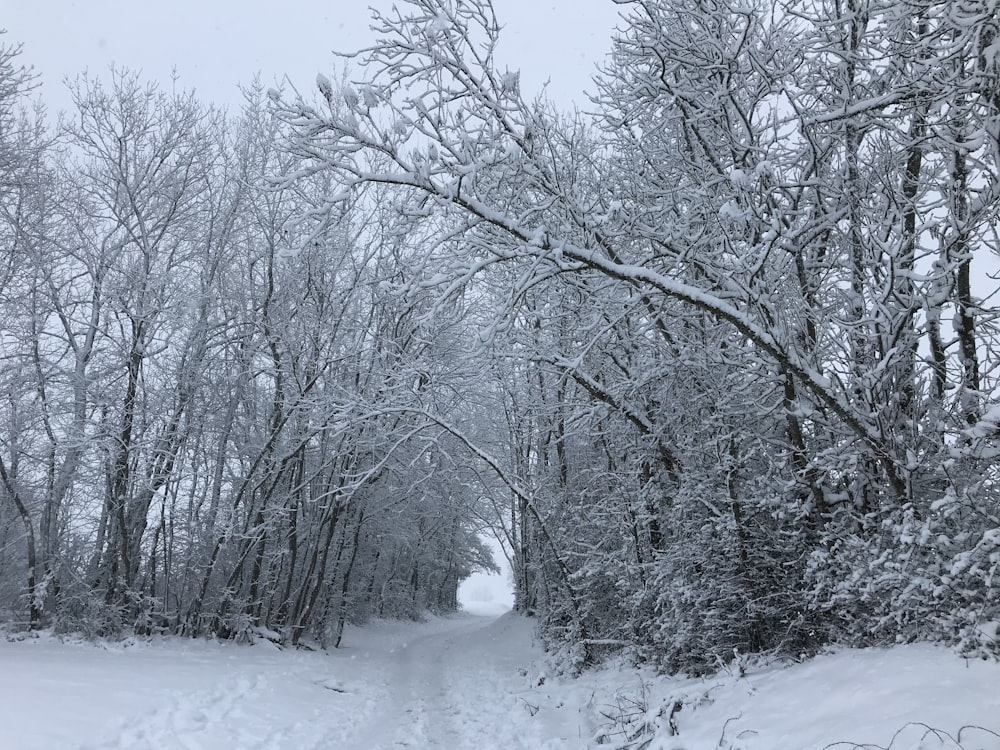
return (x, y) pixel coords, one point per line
(217, 44)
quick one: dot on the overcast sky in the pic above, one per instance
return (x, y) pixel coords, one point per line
(217, 44)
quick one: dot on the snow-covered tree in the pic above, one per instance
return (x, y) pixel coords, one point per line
(717, 286)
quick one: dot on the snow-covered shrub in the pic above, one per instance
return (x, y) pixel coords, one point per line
(636, 720)
(237, 625)
(715, 602)
(917, 575)
(85, 611)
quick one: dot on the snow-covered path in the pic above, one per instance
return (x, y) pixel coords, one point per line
(475, 683)
(451, 687)
(458, 682)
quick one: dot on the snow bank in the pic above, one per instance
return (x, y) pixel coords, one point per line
(869, 698)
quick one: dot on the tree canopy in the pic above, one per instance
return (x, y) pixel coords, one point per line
(714, 357)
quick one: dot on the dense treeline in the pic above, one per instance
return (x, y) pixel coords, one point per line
(197, 370)
(716, 357)
(744, 310)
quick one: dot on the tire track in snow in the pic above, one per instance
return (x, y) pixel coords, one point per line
(459, 687)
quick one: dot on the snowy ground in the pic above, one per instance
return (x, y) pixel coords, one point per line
(466, 682)
(450, 683)
(905, 698)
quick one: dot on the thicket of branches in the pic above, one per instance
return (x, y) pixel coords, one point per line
(211, 420)
(717, 356)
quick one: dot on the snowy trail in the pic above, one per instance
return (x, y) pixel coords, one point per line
(457, 682)
(456, 687)
(472, 683)
(414, 688)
